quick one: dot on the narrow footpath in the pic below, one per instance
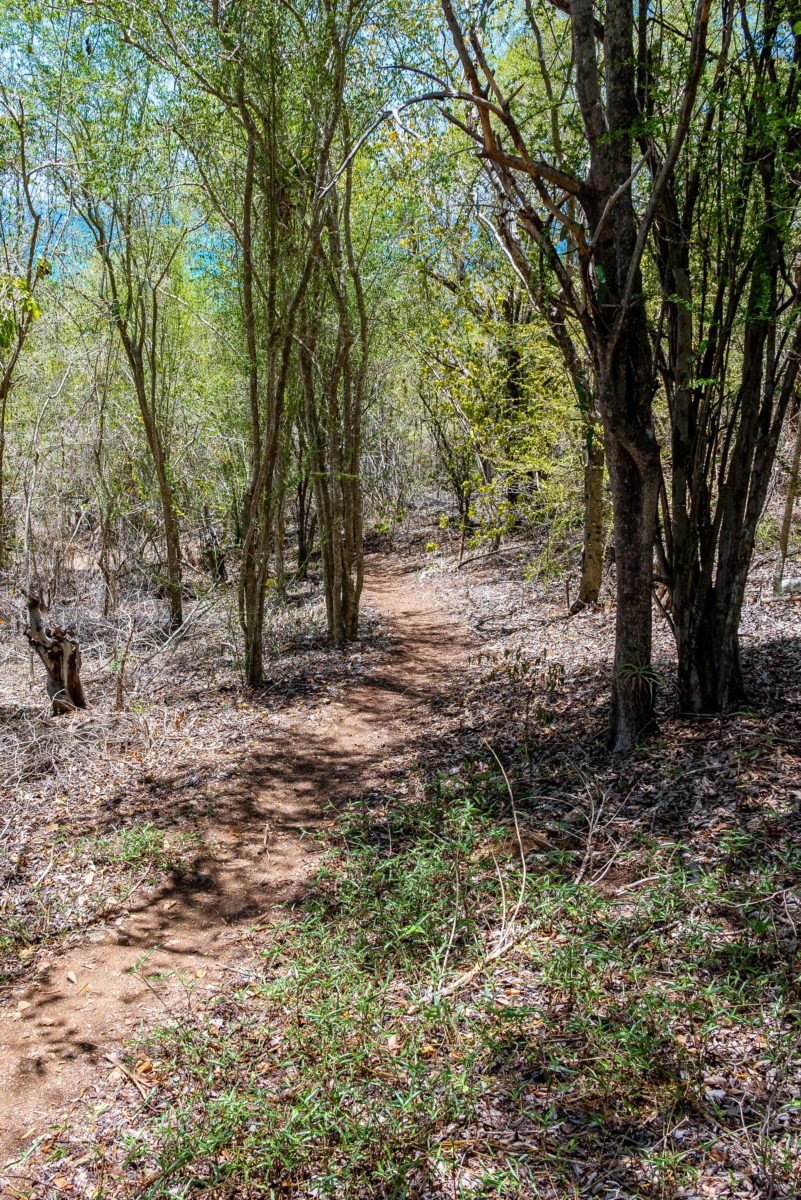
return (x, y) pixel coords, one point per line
(141, 968)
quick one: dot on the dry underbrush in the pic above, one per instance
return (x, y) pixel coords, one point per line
(97, 801)
(578, 979)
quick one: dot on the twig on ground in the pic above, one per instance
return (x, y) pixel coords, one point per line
(119, 1066)
(41, 878)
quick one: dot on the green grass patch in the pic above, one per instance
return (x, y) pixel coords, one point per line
(610, 1033)
(142, 844)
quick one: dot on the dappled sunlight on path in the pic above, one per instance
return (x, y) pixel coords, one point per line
(60, 1037)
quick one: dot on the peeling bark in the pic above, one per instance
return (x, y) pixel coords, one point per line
(61, 657)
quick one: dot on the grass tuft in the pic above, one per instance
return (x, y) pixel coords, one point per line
(640, 1037)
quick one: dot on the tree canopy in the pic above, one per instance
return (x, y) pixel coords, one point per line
(558, 241)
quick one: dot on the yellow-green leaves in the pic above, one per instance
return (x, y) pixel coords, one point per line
(18, 307)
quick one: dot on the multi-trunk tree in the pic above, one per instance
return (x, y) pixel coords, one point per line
(274, 79)
(333, 355)
(591, 231)
(663, 230)
(137, 244)
(116, 173)
(726, 253)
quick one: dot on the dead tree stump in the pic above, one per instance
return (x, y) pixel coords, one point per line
(61, 656)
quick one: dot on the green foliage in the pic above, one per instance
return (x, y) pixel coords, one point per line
(502, 411)
(17, 306)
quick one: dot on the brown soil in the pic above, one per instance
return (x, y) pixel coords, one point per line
(60, 1036)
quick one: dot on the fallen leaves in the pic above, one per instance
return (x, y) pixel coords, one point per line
(670, 792)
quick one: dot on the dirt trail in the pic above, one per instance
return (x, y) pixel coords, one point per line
(60, 1049)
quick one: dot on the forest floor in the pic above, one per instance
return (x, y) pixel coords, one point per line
(397, 925)
(118, 946)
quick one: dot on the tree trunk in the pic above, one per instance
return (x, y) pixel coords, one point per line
(105, 561)
(787, 519)
(709, 671)
(634, 476)
(3, 530)
(316, 452)
(173, 545)
(213, 556)
(301, 506)
(634, 492)
(279, 543)
(251, 602)
(593, 548)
